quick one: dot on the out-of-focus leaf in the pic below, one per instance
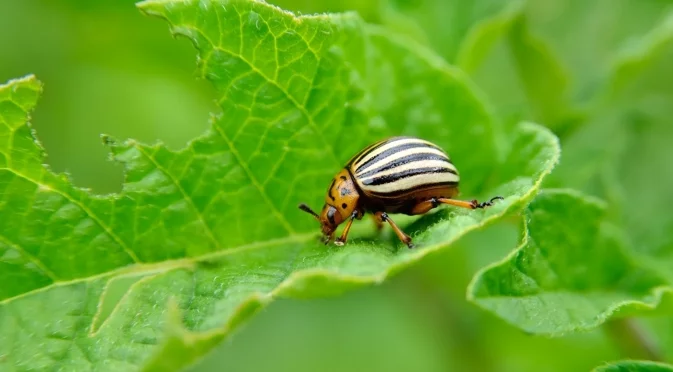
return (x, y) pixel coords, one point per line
(634, 366)
(405, 324)
(623, 152)
(588, 35)
(571, 272)
(543, 78)
(202, 238)
(485, 33)
(97, 58)
(637, 56)
(460, 31)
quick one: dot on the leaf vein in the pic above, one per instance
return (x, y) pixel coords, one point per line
(287, 94)
(36, 261)
(108, 231)
(255, 182)
(199, 215)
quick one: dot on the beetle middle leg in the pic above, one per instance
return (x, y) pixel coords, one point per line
(406, 239)
(377, 222)
(424, 206)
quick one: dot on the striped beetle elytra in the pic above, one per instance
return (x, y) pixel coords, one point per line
(404, 175)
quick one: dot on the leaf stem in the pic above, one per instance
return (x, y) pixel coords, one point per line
(633, 340)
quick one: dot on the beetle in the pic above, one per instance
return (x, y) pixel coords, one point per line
(403, 174)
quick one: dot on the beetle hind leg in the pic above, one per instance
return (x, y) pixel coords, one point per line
(425, 206)
(473, 204)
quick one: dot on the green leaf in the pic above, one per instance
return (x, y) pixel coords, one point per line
(202, 238)
(523, 75)
(571, 272)
(634, 366)
(544, 79)
(637, 56)
(460, 31)
(588, 35)
(484, 34)
(631, 170)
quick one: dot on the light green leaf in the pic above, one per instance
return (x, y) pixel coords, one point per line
(631, 170)
(571, 272)
(544, 79)
(589, 35)
(523, 76)
(637, 56)
(202, 238)
(460, 31)
(634, 366)
(369, 10)
(485, 33)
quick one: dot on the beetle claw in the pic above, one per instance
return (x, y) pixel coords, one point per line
(489, 203)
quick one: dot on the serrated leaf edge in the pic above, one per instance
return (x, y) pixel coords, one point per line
(657, 292)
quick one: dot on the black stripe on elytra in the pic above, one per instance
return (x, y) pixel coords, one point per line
(390, 151)
(374, 146)
(404, 174)
(425, 156)
(392, 194)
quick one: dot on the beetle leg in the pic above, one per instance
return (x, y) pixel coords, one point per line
(342, 239)
(406, 239)
(377, 222)
(474, 204)
(424, 206)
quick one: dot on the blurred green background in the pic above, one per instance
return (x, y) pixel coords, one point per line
(109, 69)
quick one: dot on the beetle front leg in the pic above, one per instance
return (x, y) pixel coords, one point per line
(342, 239)
(406, 239)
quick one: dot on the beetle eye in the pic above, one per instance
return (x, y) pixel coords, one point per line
(330, 215)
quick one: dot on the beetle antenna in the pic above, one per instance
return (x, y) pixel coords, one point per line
(308, 210)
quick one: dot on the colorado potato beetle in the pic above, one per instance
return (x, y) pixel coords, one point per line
(404, 175)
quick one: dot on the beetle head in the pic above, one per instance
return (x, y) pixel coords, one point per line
(329, 219)
(341, 201)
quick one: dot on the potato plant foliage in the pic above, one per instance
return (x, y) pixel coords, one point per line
(202, 238)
